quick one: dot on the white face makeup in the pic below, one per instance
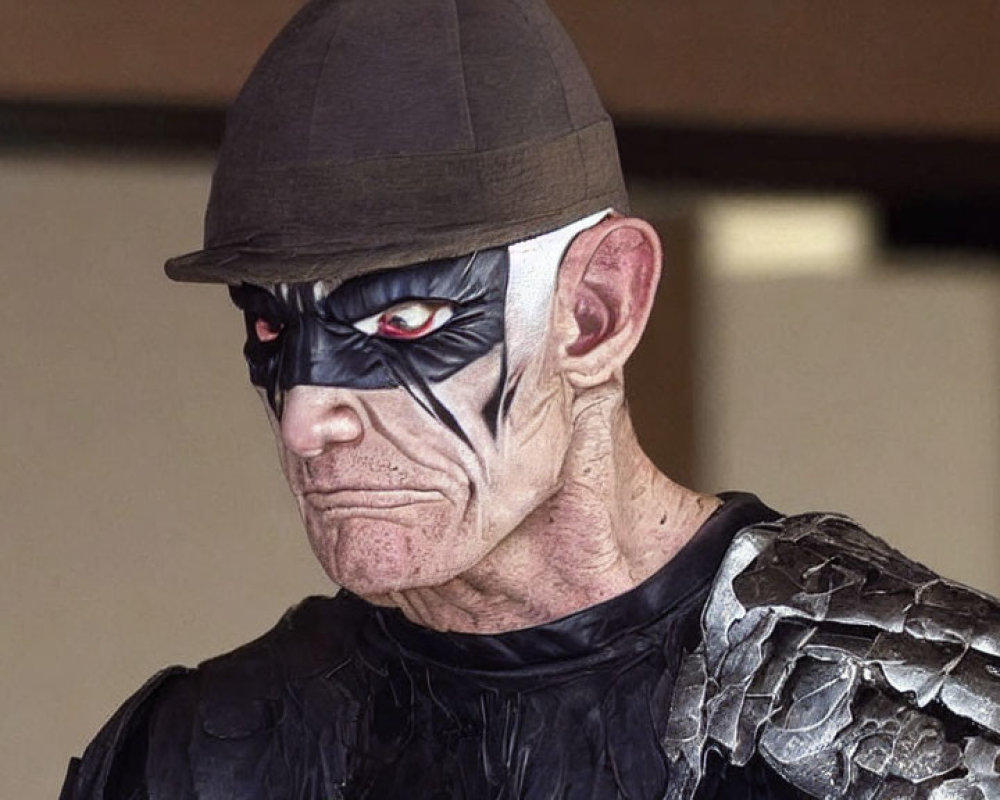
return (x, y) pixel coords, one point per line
(411, 484)
(534, 267)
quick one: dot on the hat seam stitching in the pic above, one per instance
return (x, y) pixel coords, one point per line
(315, 93)
(465, 79)
(537, 33)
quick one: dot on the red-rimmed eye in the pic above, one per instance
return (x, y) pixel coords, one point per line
(410, 320)
(267, 330)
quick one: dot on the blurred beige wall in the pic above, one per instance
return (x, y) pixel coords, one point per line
(905, 65)
(876, 395)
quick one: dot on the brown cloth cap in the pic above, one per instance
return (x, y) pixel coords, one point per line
(380, 133)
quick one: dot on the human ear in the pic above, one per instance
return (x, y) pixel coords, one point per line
(605, 290)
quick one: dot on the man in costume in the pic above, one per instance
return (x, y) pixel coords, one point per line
(419, 210)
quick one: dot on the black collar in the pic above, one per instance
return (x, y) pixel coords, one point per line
(614, 629)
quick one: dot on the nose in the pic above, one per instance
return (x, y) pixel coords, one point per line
(314, 418)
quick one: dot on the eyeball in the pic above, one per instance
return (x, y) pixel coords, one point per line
(412, 319)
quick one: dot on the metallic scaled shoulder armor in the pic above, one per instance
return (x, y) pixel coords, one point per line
(851, 670)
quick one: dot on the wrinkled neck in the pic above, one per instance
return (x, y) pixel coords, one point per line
(613, 520)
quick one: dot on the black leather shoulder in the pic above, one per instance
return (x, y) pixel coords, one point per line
(167, 739)
(312, 638)
(108, 766)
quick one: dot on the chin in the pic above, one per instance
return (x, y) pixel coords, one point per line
(371, 557)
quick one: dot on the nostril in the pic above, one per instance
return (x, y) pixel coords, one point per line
(315, 418)
(300, 438)
(303, 452)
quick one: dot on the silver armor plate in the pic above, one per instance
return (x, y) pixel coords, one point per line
(853, 671)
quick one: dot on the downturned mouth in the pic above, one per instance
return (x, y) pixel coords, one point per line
(370, 498)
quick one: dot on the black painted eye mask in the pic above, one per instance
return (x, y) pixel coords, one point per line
(295, 339)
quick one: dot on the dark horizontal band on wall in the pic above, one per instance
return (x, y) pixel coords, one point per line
(692, 153)
(881, 163)
(943, 191)
(110, 127)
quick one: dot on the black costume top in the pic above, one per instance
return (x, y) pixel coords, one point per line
(347, 700)
(769, 659)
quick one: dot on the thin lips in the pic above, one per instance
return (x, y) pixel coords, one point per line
(369, 498)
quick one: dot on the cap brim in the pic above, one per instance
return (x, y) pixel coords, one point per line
(238, 264)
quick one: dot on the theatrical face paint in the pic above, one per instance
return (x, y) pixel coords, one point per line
(411, 355)
(410, 327)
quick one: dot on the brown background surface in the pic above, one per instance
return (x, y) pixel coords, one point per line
(910, 65)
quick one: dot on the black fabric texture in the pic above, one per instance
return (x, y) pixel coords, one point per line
(380, 133)
(319, 344)
(347, 700)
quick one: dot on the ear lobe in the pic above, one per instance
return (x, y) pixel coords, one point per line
(606, 288)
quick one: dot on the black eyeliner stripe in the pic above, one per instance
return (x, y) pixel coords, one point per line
(508, 400)
(403, 378)
(275, 393)
(410, 379)
(491, 411)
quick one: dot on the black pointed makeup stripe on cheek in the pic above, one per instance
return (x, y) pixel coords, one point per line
(491, 411)
(508, 399)
(410, 379)
(275, 393)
